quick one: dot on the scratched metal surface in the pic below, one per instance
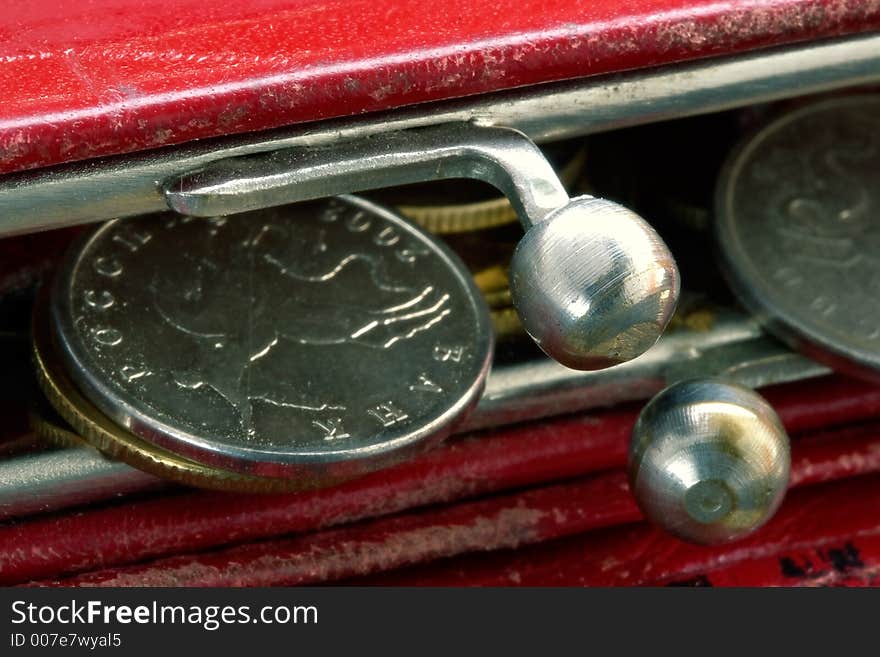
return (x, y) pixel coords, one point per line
(83, 80)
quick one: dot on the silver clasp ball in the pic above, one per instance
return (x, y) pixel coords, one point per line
(709, 461)
(594, 284)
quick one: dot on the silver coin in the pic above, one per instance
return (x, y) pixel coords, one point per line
(798, 229)
(330, 337)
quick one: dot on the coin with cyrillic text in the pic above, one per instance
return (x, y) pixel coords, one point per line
(798, 229)
(328, 338)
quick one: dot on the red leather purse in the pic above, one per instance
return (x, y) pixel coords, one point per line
(103, 103)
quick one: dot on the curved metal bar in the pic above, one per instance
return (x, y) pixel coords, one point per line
(502, 157)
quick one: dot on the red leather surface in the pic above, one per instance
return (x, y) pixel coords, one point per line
(855, 562)
(525, 518)
(507, 459)
(826, 517)
(85, 79)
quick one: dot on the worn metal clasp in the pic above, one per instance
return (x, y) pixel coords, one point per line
(592, 282)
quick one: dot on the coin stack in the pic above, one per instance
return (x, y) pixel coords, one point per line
(276, 350)
(486, 253)
(283, 349)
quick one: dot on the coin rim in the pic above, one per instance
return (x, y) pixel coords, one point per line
(754, 291)
(99, 431)
(254, 461)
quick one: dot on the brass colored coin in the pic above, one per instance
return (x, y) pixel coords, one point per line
(487, 255)
(96, 429)
(697, 319)
(51, 429)
(506, 323)
(466, 217)
(494, 283)
(695, 312)
(492, 279)
(443, 219)
(499, 300)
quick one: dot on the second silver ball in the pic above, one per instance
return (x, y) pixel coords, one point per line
(709, 461)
